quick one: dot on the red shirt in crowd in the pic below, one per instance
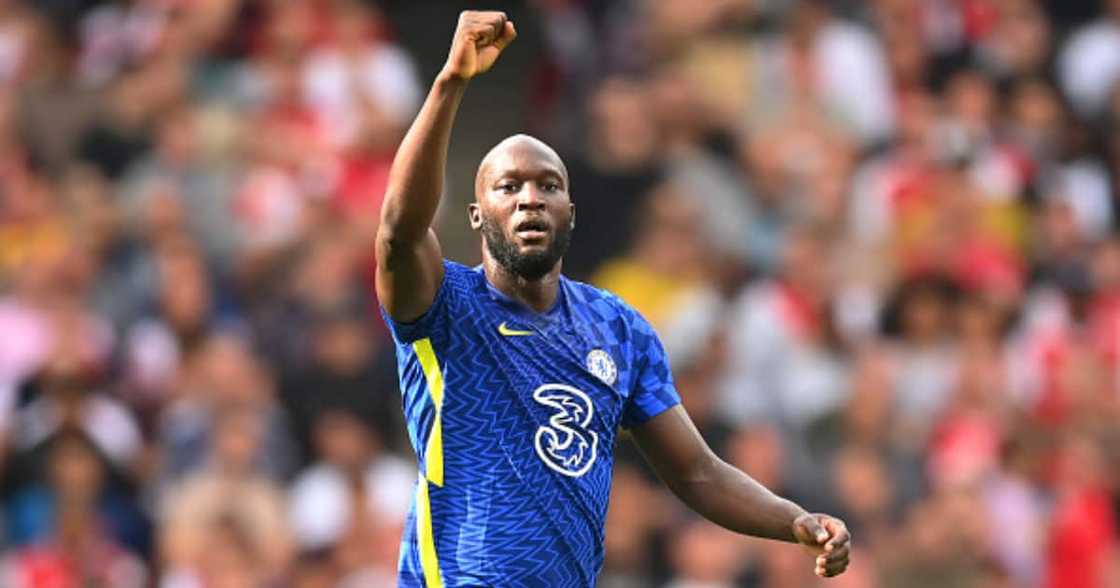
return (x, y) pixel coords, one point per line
(1081, 540)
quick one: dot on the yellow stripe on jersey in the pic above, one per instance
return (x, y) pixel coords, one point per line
(428, 560)
(433, 465)
(433, 454)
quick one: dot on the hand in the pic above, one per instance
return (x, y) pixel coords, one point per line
(827, 538)
(479, 38)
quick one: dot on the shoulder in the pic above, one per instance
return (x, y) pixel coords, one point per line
(460, 279)
(585, 296)
(458, 282)
(454, 298)
(607, 307)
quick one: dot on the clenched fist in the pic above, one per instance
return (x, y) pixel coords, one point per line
(826, 538)
(479, 38)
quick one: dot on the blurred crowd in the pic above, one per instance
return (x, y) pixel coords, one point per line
(878, 238)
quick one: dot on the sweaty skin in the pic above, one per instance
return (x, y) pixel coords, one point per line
(522, 200)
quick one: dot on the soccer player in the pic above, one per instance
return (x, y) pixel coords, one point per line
(516, 380)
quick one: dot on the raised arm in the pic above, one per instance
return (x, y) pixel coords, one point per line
(409, 261)
(731, 498)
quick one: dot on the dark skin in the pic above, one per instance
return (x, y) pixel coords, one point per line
(522, 180)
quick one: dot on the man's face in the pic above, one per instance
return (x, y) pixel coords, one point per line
(522, 207)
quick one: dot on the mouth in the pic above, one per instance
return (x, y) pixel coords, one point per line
(532, 230)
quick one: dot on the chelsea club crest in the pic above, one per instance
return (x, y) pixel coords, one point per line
(599, 362)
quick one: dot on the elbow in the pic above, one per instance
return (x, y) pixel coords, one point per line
(693, 481)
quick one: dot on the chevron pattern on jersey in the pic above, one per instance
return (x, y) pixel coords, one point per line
(499, 515)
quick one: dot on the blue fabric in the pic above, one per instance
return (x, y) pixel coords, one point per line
(31, 517)
(528, 427)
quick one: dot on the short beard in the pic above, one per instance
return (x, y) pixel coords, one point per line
(528, 266)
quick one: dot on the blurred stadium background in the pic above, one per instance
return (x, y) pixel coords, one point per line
(878, 238)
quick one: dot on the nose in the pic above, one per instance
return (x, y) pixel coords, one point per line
(530, 198)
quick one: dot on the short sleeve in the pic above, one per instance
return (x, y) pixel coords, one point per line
(653, 390)
(423, 326)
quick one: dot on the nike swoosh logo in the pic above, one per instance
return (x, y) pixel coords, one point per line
(508, 332)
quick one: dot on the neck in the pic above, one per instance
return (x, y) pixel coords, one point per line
(538, 295)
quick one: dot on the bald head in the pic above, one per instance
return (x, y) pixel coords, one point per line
(522, 207)
(517, 154)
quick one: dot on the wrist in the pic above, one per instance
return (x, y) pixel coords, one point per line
(450, 80)
(795, 514)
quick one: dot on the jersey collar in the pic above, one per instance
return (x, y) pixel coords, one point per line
(524, 311)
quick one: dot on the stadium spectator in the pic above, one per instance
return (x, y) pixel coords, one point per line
(226, 522)
(222, 378)
(74, 527)
(617, 167)
(1087, 64)
(349, 502)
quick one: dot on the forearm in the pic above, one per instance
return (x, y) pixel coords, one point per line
(417, 175)
(732, 499)
(707, 484)
(409, 259)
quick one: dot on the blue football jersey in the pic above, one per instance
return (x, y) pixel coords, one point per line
(513, 416)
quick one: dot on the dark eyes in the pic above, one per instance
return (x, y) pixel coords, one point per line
(515, 187)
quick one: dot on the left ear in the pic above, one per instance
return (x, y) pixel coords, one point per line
(474, 215)
(572, 222)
